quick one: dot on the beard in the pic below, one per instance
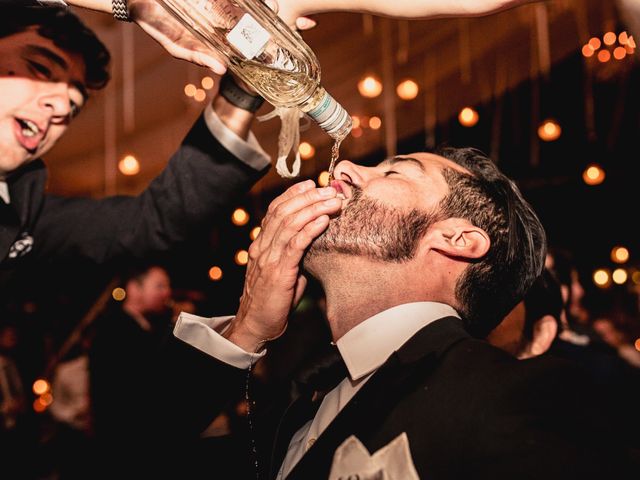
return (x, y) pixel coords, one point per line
(367, 228)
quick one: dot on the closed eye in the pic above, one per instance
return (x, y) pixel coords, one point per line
(40, 70)
(390, 172)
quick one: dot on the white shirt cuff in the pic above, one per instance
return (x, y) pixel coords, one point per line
(248, 151)
(205, 335)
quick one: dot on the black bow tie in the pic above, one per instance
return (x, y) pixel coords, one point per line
(322, 374)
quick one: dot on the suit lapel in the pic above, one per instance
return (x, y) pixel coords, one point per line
(363, 415)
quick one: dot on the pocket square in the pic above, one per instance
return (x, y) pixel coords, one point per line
(392, 462)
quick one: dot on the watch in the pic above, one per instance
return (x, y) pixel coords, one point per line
(237, 96)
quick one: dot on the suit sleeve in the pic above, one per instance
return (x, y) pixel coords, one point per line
(201, 179)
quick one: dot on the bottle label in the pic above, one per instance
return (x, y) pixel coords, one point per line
(248, 36)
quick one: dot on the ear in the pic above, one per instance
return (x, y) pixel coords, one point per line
(544, 332)
(457, 237)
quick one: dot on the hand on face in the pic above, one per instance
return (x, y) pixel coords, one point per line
(273, 283)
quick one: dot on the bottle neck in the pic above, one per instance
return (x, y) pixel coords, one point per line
(331, 116)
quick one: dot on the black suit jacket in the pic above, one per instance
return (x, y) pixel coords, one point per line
(201, 179)
(469, 411)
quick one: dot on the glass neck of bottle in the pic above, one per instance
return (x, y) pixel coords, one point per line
(330, 116)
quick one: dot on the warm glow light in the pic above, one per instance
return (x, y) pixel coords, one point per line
(609, 38)
(637, 344)
(407, 89)
(190, 90)
(38, 405)
(601, 277)
(46, 399)
(241, 257)
(240, 217)
(355, 121)
(619, 254)
(375, 123)
(255, 231)
(41, 387)
(549, 130)
(306, 150)
(323, 179)
(118, 294)
(623, 38)
(588, 50)
(200, 95)
(635, 277)
(356, 132)
(631, 42)
(215, 273)
(629, 50)
(468, 117)
(370, 87)
(619, 53)
(129, 165)
(619, 276)
(595, 43)
(207, 83)
(593, 175)
(604, 56)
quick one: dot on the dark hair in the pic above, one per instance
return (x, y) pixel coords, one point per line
(494, 284)
(543, 298)
(67, 32)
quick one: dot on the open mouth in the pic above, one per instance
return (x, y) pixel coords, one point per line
(29, 134)
(29, 128)
(342, 189)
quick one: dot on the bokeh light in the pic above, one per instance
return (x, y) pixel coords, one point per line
(215, 273)
(119, 294)
(240, 217)
(370, 86)
(129, 165)
(468, 117)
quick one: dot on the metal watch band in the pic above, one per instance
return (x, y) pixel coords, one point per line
(120, 10)
(235, 95)
(52, 3)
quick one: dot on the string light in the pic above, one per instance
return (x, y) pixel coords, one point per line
(601, 278)
(549, 130)
(215, 273)
(41, 386)
(118, 294)
(323, 179)
(407, 89)
(619, 254)
(619, 276)
(468, 117)
(129, 165)
(604, 56)
(355, 121)
(190, 89)
(207, 83)
(609, 38)
(241, 257)
(239, 217)
(619, 46)
(306, 150)
(375, 123)
(255, 231)
(200, 95)
(593, 175)
(370, 86)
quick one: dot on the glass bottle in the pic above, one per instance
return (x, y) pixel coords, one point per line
(263, 51)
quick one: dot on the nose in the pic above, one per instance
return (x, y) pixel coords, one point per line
(352, 173)
(55, 99)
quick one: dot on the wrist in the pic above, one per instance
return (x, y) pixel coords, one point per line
(234, 93)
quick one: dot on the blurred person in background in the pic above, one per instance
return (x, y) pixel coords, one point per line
(124, 350)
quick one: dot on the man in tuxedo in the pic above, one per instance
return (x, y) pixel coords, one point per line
(49, 64)
(415, 255)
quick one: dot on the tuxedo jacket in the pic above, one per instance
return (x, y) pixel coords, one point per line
(468, 409)
(201, 179)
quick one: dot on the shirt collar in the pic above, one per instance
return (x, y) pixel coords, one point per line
(369, 344)
(4, 192)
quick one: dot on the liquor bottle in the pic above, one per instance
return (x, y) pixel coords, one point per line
(264, 52)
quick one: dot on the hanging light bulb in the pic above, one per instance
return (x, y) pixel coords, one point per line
(370, 86)
(306, 150)
(549, 130)
(619, 254)
(468, 117)
(129, 165)
(601, 278)
(407, 89)
(619, 276)
(593, 175)
(239, 217)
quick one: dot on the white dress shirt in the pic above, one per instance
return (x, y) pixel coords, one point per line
(364, 348)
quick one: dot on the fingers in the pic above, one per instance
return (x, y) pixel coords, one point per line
(305, 23)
